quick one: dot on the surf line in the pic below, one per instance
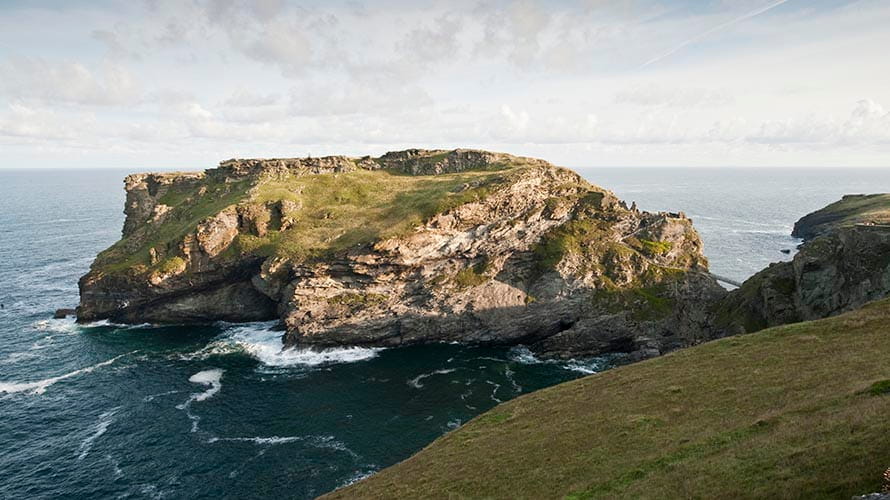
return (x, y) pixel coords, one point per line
(40, 386)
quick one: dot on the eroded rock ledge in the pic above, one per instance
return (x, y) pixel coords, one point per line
(410, 247)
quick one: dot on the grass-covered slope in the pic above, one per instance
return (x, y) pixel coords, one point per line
(798, 411)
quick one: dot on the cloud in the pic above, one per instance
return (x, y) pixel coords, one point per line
(243, 97)
(368, 95)
(281, 44)
(427, 45)
(867, 124)
(516, 30)
(661, 96)
(32, 123)
(112, 42)
(68, 82)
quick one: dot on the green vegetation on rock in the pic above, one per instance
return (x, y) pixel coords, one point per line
(472, 276)
(656, 247)
(353, 300)
(343, 210)
(784, 413)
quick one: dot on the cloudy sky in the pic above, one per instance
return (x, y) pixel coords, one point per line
(187, 83)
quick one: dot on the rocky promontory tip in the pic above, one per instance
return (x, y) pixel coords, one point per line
(410, 247)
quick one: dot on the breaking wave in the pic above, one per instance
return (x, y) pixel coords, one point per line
(590, 366)
(262, 342)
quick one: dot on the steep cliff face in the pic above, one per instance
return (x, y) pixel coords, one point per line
(413, 246)
(843, 263)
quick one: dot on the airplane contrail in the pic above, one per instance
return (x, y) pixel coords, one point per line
(719, 27)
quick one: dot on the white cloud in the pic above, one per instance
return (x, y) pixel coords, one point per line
(244, 97)
(661, 96)
(68, 82)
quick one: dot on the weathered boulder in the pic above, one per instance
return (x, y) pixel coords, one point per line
(64, 313)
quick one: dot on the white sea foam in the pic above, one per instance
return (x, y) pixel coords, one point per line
(62, 325)
(453, 424)
(329, 442)
(273, 440)
(211, 378)
(19, 356)
(358, 476)
(509, 374)
(415, 382)
(495, 386)
(152, 397)
(100, 428)
(262, 342)
(40, 386)
(586, 366)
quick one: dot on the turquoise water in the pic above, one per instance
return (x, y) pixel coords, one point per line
(219, 411)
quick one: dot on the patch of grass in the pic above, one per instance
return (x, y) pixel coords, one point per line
(355, 208)
(569, 238)
(644, 303)
(470, 277)
(775, 414)
(494, 418)
(353, 300)
(655, 248)
(170, 265)
(656, 304)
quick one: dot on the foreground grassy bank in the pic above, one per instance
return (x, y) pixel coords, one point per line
(798, 411)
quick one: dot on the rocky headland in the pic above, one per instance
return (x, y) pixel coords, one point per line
(411, 247)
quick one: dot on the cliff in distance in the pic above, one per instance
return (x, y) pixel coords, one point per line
(843, 263)
(410, 247)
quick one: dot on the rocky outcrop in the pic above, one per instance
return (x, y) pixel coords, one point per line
(842, 264)
(411, 247)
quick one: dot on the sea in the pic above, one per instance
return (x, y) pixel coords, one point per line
(220, 411)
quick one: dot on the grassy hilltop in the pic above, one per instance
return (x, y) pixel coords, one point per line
(798, 411)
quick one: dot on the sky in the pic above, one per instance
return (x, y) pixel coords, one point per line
(188, 83)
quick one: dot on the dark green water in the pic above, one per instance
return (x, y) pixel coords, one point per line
(219, 411)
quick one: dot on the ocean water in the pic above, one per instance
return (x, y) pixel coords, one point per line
(219, 411)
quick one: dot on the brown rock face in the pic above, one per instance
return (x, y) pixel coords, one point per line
(479, 247)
